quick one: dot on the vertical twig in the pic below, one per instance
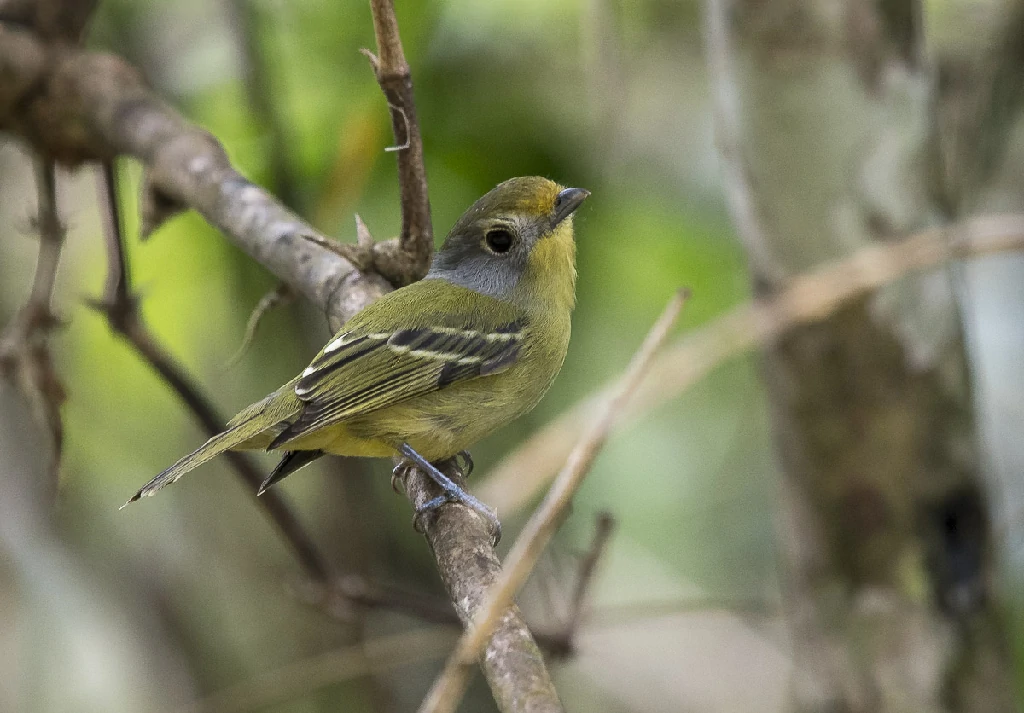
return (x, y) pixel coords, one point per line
(416, 242)
(562, 641)
(451, 684)
(24, 344)
(603, 529)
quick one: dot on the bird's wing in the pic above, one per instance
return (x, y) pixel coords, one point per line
(406, 353)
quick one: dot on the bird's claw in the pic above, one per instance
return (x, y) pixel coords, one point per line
(398, 474)
(451, 492)
(464, 461)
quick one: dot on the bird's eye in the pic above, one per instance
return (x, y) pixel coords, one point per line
(499, 240)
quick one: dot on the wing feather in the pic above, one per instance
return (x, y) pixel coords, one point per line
(363, 370)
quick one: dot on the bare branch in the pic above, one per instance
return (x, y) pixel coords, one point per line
(603, 529)
(562, 641)
(77, 106)
(410, 258)
(450, 686)
(24, 344)
(461, 542)
(810, 297)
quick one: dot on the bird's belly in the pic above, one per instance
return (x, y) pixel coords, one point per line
(340, 440)
(440, 424)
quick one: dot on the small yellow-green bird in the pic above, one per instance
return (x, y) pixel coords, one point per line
(429, 369)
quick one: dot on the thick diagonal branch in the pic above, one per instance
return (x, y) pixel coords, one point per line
(76, 106)
(461, 542)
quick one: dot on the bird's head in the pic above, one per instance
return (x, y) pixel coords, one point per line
(515, 242)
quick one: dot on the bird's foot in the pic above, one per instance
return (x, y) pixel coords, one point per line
(451, 492)
(458, 495)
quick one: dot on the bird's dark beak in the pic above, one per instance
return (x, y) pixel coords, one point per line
(568, 201)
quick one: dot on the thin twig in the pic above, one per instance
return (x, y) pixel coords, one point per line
(451, 684)
(810, 297)
(121, 309)
(604, 526)
(410, 259)
(282, 294)
(338, 597)
(24, 344)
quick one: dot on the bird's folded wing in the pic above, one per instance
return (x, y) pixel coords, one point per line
(362, 371)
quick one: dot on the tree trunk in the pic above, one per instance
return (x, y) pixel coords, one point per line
(835, 133)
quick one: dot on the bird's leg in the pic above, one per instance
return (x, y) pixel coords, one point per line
(452, 493)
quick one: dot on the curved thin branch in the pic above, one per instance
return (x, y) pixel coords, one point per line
(121, 308)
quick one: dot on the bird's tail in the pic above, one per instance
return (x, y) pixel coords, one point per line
(236, 435)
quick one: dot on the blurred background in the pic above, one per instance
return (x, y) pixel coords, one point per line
(193, 593)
